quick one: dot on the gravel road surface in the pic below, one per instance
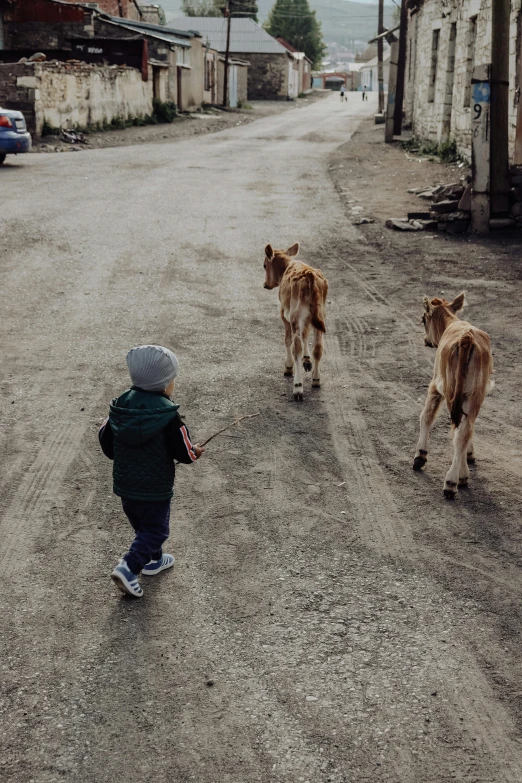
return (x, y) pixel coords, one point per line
(330, 619)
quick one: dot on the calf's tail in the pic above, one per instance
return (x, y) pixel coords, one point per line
(316, 306)
(464, 351)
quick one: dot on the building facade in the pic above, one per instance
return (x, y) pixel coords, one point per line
(270, 65)
(446, 40)
(368, 74)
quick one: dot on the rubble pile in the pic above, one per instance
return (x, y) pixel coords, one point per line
(450, 207)
(449, 210)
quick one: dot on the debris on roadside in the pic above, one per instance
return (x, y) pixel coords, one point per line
(362, 221)
(403, 224)
(450, 208)
(72, 137)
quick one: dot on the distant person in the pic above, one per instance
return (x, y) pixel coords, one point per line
(364, 95)
(144, 434)
(342, 92)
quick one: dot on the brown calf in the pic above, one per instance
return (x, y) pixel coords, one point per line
(302, 295)
(462, 376)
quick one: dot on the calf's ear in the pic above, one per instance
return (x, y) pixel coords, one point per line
(458, 303)
(269, 251)
(427, 305)
(293, 250)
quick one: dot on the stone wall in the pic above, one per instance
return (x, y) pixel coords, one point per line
(267, 75)
(242, 83)
(439, 108)
(63, 95)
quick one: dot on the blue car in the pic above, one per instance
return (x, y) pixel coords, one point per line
(14, 137)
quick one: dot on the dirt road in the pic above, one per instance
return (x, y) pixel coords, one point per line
(354, 625)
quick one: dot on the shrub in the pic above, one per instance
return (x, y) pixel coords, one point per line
(446, 152)
(48, 130)
(164, 111)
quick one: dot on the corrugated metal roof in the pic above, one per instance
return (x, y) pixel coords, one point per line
(245, 35)
(159, 32)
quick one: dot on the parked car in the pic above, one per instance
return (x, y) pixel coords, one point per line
(14, 137)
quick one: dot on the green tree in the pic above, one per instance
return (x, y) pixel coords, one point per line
(200, 8)
(242, 8)
(238, 8)
(295, 21)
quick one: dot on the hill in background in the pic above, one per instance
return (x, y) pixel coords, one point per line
(343, 21)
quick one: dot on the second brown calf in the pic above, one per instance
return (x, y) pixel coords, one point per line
(461, 376)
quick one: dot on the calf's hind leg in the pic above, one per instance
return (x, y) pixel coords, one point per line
(427, 419)
(317, 354)
(459, 471)
(289, 362)
(297, 350)
(307, 362)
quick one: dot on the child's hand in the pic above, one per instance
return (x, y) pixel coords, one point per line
(199, 450)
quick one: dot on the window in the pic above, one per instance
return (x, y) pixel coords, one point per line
(209, 67)
(434, 64)
(471, 40)
(183, 56)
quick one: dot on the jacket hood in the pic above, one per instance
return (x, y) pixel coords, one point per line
(138, 416)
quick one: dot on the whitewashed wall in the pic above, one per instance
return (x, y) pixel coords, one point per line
(448, 116)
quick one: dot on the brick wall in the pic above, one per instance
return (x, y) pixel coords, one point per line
(439, 108)
(267, 75)
(124, 8)
(44, 24)
(65, 95)
(45, 35)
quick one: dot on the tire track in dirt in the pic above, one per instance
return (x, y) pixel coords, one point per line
(24, 514)
(367, 488)
(487, 719)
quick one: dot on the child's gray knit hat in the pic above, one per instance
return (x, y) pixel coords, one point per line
(152, 367)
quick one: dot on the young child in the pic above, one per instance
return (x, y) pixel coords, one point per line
(144, 434)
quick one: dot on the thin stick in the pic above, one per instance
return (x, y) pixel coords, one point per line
(242, 418)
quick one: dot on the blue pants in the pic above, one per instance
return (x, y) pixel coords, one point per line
(150, 520)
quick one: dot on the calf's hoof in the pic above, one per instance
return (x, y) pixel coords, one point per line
(420, 461)
(450, 490)
(289, 371)
(470, 458)
(316, 383)
(307, 364)
(463, 482)
(298, 396)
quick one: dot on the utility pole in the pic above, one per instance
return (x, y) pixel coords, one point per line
(380, 57)
(227, 55)
(401, 71)
(392, 87)
(499, 105)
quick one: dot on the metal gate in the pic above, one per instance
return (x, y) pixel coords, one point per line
(232, 86)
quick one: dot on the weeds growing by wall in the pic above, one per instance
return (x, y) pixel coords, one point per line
(446, 152)
(163, 112)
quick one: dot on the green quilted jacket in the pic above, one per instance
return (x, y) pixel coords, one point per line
(147, 434)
